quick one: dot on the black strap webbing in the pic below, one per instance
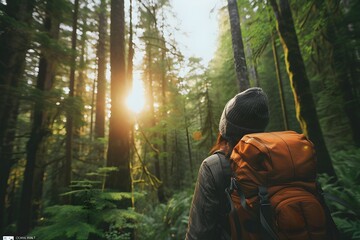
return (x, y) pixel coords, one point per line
(233, 214)
(265, 214)
(221, 170)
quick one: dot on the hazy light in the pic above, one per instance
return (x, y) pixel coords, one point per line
(66, 90)
(88, 88)
(136, 99)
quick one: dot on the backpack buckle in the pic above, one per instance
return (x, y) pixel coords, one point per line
(233, 185)
(263, 196)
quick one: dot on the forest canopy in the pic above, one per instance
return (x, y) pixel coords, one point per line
(104, 121)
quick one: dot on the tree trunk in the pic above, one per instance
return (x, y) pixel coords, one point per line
(119, 131)
(14, 43)
(304, 102)
(342, 63)
(164, 109)
(188, 144)
(160, 190)
(40, 130)
(130, 49)
(238, 46)
(101, 80)
(280, 84)
(69, 117)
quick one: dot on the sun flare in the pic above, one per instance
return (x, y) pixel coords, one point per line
(136, 98)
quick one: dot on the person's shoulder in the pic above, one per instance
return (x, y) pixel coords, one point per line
(213, 159)
(210, 161)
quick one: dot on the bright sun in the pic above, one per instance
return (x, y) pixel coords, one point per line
(136, 99)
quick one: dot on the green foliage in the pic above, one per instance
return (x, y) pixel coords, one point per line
(347, 218)
(95, 214)
(167, 221)
(80, 222)
(65, 222)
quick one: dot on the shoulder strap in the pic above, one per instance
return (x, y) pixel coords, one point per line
(220, 169)
(225, 183)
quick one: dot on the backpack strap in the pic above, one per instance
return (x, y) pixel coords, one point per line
(265, 214)
(220, 169)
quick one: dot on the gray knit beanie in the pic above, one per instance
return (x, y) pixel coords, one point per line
(245, 113)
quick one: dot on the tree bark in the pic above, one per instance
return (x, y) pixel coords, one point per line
(101, 80)
(238, 46)
(304, 102)
(14, 43)
(280, 84)
(164, 109)
(40, 130)
(160, 190)
(69, 117)
(119, 131)
(130, 48)
(188, 144)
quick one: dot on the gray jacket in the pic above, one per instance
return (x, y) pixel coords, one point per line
(207, 219)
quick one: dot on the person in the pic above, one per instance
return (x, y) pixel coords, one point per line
(247, 112)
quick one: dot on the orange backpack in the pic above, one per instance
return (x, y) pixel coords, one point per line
(273, 192)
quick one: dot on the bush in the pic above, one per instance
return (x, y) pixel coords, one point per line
(347, 218)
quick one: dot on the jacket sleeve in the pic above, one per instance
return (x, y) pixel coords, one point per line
(204, 211)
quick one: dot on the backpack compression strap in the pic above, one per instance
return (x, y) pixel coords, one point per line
(265, 214)
(233, 212)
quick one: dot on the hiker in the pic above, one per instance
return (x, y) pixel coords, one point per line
(247, 112)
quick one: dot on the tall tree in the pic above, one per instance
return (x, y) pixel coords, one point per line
(154, 59)
(336, 35)
(119, 130)
(279, 79)
(130, 57)
(305, 105)
(69, 117)
(40, 124)
(101, 80)
(238, 46)
(14, 43)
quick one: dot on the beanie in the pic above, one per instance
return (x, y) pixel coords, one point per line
(245, 113)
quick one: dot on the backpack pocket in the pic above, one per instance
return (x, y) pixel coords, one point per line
(298, 215)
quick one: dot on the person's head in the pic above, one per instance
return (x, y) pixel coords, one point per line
(247, 112)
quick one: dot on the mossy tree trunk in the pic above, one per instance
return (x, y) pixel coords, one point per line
(304, 102)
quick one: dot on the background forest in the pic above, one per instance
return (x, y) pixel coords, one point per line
(76, 162)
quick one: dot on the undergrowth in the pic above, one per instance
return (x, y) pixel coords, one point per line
(346, 214)
(166, 221)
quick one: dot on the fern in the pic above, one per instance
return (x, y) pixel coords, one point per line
(346, 218)
(94, 215)
(167, 221)
(65, 222)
